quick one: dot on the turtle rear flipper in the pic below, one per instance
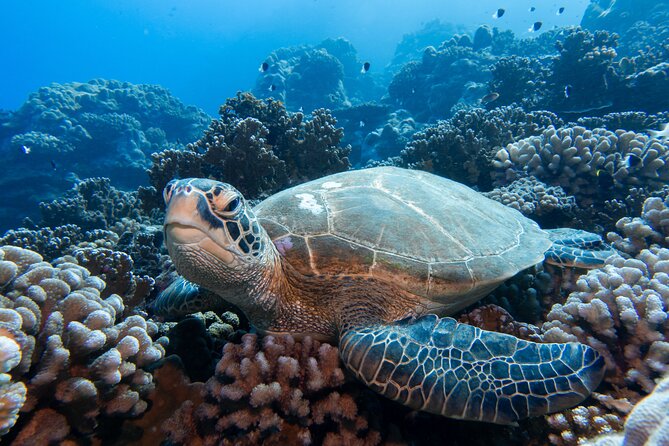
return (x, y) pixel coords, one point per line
(577, 248)
(459, 371)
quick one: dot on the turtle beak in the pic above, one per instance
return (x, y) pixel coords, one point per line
(186, 229)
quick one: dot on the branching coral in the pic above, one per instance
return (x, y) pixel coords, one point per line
(275, 391)
(535, 199)
(258, 147)
(462, 147)
(59, 241)
(638, 233)
(620, 310)
(81, 360)
(646, 425)
(576, 158)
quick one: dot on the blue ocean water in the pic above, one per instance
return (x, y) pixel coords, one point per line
(334, 222)
(207, 50)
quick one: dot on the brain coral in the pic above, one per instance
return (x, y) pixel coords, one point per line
(81, 361)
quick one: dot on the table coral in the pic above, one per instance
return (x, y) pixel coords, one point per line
(274, 391)
(81, 359)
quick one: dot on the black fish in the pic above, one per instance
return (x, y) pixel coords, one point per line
(272, 87)
(490, 97)
(567, 91)
(532, 9)
(53, 164)
(263, 67)
(499, 13)
(365, 68)
(632, 160)
(560, 11)
(605, 179)
(535, 27)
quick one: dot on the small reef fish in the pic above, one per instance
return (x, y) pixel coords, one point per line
(490, 97)
(532, 9)
(365, 68)
(535, 27)
(608, 10)
(263, 67)
(662, 134)
(53, 165)
(72, 178)
(362, 124)
(301, 110)
(560, 11)
(272, 87)
(567, 91)
(499, 13)
(26, 150)
(632, 160)
(605, 179)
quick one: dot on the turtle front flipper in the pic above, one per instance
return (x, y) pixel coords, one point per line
(577, 248)
(459, 371)
(181, 298)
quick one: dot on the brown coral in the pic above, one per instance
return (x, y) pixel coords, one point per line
(275, 391)
(81, 360)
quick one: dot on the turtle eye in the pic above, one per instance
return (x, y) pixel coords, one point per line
(221, 207)
(167, 192)
(233, 205)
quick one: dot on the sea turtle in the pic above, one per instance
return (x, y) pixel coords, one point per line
(367, 259)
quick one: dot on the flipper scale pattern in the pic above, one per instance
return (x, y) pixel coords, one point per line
(459, 371)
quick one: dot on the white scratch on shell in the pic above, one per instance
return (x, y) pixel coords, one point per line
(331, 185)
(309, 203)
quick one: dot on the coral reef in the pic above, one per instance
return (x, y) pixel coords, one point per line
(82, 362)
(258, 147)
(389, 140)
(462, 147)
(102, 127)
(431, 87)
(56, 242)
(274, 391)
(309, 77)
(620, 311)
(639, 233)
(584, 76)
(543, 203)
(646, 424)
(413, 44)
(575, 159)
(91, 204)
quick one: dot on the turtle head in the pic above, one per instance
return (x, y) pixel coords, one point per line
(213, 237)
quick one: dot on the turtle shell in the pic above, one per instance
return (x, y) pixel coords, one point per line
(431, 236)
